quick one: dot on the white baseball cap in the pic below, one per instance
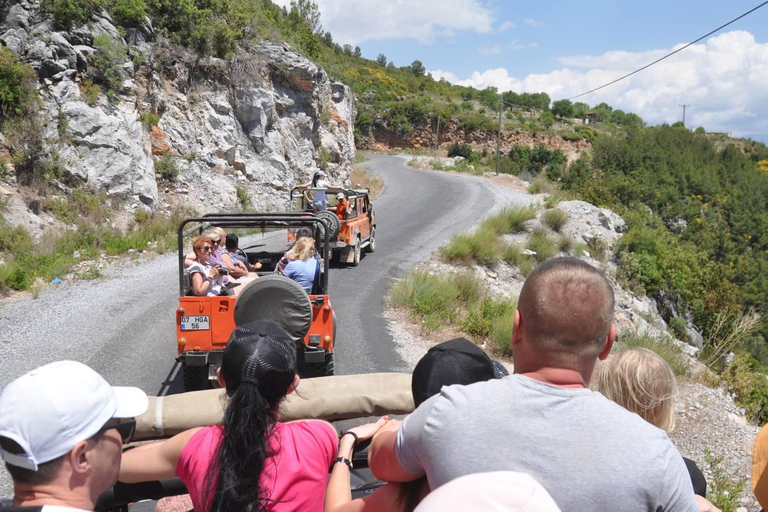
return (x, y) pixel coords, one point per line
(321, 173)
(340, 195)
(509, 491)
(52, 408)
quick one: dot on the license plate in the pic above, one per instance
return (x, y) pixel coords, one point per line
(195, 323)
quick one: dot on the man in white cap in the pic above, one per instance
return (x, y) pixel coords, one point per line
(62, 427)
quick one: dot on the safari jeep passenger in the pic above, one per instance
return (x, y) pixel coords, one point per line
(206, 279)
(252, 462)
(587, 452)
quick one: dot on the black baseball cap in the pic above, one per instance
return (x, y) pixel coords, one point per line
(304, 232)
(456, 361)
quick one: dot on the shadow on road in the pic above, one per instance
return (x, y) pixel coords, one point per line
(173, 383)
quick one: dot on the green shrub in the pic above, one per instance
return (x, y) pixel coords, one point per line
(748, 381)
(564, 243)
(723, 492)
(149, 119)
(69, 13)
(513, 254)
(129, 11)
(526, 266)
(166, 168)
(481, 246)
(501, 333)
(323, 159)
(555, 219)
(597, 248)
(90, 92)
(542, 245)
(17, 84)
(435, 298)
(479, 321)
(677, 325)
(509, 220)
(462, 150)
(668, 351)
(107, 62)
(243, 197)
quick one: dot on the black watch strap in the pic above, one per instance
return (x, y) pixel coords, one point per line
(344, 460)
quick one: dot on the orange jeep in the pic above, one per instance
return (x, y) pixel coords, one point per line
(352, 230)
(204, 324)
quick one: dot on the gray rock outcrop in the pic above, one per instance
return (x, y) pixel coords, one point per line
(252, 126)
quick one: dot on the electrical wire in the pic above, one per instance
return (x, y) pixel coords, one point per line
(671, 53)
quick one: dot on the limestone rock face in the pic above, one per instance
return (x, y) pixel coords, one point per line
(249, 127)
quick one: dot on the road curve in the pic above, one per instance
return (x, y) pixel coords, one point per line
(123, 325)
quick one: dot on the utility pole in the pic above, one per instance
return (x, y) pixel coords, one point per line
(437, 138)
(684, 107)
(498, 138)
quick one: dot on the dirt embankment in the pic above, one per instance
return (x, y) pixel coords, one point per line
(381, 139)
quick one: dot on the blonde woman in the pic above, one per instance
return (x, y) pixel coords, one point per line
(302, 265)
(641, 381)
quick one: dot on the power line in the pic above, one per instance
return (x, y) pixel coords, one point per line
(671, 53)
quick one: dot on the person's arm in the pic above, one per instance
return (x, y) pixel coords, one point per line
(705, 505)
(189, 259)
(154, 461)
(234, 270)
(382, 456)
(338, 496)
(200, 284)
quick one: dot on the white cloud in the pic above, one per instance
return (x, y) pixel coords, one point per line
(532, 23)
(424, 20)
(506, 26)
(515, 45)
(723, 80)
(490, 50)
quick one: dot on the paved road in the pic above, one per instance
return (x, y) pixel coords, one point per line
(123, 325)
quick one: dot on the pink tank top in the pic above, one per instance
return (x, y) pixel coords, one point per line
(295, 474)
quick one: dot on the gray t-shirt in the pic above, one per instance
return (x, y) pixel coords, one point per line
(589, 453)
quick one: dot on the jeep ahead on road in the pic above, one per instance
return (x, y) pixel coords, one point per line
(204, 324)
(352, 231)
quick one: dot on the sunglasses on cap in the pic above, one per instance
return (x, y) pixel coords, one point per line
(126, 429)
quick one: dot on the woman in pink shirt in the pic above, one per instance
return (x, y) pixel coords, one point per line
(252, 462)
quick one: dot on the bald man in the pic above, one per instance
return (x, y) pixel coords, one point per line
(587, 452)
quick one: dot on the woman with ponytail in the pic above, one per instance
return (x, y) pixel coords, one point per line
(252, 462)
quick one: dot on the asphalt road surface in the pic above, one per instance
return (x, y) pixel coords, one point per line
(123, 325)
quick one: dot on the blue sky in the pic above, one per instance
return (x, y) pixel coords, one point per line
(567, 47)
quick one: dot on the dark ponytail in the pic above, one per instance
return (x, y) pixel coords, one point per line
(315, 179)
(258, 366)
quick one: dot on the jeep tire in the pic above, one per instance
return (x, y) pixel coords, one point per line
(372, 242)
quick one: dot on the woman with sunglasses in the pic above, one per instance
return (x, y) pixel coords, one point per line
(206, 279)
(252, 462)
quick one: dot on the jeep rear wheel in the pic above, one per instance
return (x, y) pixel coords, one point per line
(195, 377)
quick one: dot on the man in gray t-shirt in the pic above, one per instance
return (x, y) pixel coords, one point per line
(589, 453)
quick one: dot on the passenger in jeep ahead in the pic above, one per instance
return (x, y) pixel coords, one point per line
(587, 452)
(303, 267)
(253, 462)
(206, 279)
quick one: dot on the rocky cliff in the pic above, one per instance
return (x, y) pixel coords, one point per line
(242, 129)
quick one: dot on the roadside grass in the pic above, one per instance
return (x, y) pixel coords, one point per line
(542, 244)
(554, 219)
(456, 300)
(366, 179)
(668, 351)
(724, 493)
(26, 260)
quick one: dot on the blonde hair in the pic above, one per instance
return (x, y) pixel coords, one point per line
(303, 249)
(642, 382)
(216, 233)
